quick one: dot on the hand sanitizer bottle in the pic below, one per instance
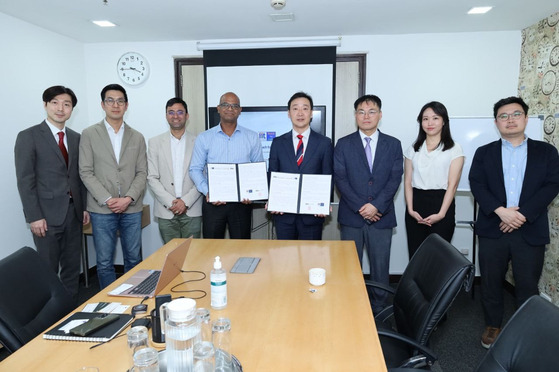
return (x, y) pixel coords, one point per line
(218, 280)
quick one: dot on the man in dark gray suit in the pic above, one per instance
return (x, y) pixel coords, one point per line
(51, 191)
(368, 167)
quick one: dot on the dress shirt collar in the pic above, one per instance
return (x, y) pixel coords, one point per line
(305, 134)
(506, 143)
(373, 137)
(54, 129)
(110, 129)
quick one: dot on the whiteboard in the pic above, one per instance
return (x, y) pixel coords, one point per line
(473, 132)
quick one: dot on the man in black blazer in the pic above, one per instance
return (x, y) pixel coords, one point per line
(513, 180)
(52, 194)
(315, 157)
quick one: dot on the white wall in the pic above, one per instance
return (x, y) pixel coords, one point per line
(468, 72)
(32, 59)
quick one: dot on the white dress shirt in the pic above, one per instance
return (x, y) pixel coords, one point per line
(116, 139)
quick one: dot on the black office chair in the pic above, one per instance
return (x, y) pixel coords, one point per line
(528, 342)
(429, 285)
(33, 298)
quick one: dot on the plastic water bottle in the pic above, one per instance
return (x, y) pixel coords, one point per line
(181, 332)
(218, 280)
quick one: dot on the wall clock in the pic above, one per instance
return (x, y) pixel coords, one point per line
(132, 68)
(548, 82)
(554, 56)
(549, 125)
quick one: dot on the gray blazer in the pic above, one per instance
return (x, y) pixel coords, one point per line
(161, 179)
(104, 177)
(43, 180)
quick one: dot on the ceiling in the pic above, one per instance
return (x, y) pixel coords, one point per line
(171, 20)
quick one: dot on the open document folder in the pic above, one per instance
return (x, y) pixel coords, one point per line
(235, 182)
(300, 193)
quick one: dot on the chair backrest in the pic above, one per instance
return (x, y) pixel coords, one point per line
(33, 298)
(429, 285)
(529, 342)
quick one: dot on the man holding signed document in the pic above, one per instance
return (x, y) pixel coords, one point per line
(299, 152)
(217, 151)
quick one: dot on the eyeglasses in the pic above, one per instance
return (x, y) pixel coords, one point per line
(363, 112)
(514, 116)
(111, 102)
(173, 113)
(233, 106)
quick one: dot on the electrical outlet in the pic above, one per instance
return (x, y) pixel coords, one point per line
(545, 296)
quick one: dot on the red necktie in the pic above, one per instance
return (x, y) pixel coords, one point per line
(299, 152)
(62, 147)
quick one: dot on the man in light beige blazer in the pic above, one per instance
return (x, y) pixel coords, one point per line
(178, 204)
(113, 168)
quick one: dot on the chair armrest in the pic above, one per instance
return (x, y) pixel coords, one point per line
(378, 285)
(427, 352)
(387, 312)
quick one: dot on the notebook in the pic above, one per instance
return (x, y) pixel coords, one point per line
(107, 333)
(151, 282)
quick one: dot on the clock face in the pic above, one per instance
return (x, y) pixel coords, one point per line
(133, 68)
(548, 82)
(554, 56)
(549, 125)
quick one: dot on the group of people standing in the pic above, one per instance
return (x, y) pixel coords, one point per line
(102, 178)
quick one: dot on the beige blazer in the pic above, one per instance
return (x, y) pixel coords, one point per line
(161, 179)
(104, 177)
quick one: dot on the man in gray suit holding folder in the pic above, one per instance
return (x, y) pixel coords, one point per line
(52, 194)
(113, 167)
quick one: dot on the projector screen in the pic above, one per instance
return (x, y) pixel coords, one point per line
(269, 77)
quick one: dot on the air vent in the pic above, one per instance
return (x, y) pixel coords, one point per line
(282, 17)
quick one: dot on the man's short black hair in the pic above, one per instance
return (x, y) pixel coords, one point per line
(368, 98)
(118, 87)
(299, 95)
(175, 100)
(508, 101)
(50, 93)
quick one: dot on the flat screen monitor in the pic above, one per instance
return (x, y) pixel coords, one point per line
(270, 122)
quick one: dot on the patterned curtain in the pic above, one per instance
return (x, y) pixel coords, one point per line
(539, 87)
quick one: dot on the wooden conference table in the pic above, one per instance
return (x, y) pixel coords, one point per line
(277, 324)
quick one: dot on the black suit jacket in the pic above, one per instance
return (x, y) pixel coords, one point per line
(43, 180)
(317, 160)
(540, 187)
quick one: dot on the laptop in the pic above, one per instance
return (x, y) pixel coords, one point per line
(151, 282)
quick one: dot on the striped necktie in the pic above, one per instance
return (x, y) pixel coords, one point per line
(299, 152)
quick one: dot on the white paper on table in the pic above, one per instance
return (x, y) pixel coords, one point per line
(284, 192)
(222, 183)
(315, 194)
(253, 181)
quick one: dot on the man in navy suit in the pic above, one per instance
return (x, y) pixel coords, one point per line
(368, 167)
(304, 151)
(513, 180)
(52, 194)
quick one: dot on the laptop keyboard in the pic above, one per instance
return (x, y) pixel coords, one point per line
(147, 286)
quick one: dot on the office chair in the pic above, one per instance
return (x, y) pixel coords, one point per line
(33, 298)
(429, 285)
(528, 342)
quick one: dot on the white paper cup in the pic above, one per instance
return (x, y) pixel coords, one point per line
(317, 276)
